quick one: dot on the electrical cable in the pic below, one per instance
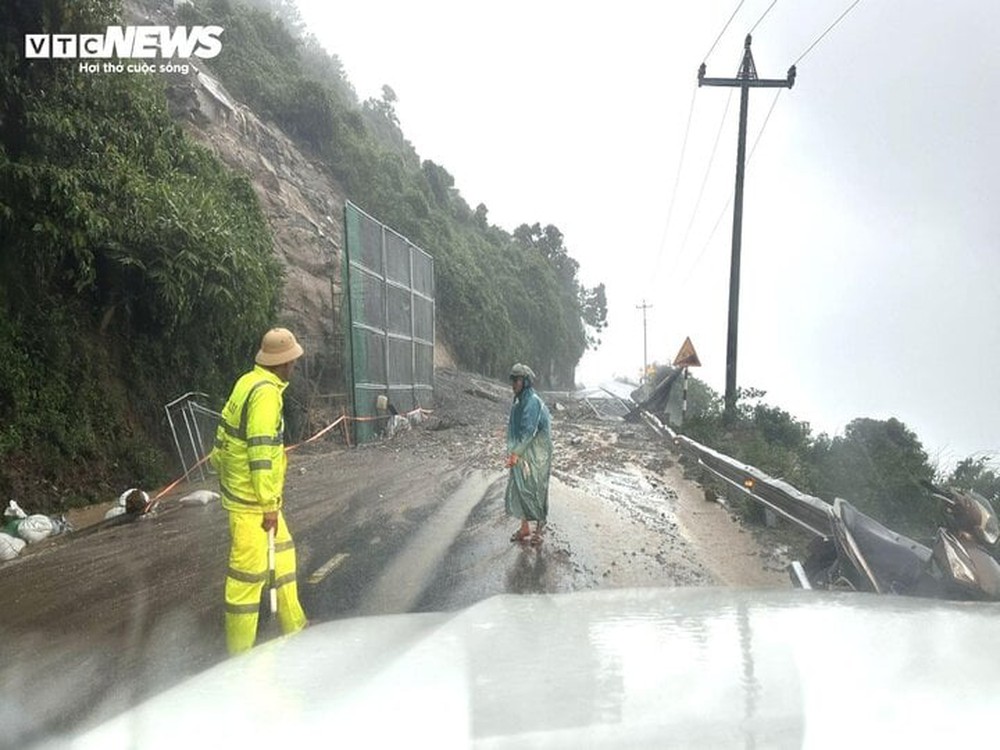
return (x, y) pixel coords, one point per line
(729, 201)
(712, 48)
(673, 194)
(829, 29)
(766, 119)
(708, 171)
(775, 2)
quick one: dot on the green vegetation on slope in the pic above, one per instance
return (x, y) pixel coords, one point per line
(876, 464)
(133, 265)
(501, 297)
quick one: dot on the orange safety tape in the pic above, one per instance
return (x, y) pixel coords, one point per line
(177, 481)
(318, 435)
(375, 419)
(290, 448)
(181, 478)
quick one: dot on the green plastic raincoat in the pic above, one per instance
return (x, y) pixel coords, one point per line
(529, 436)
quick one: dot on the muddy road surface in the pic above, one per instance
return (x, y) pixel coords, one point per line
(96, 620)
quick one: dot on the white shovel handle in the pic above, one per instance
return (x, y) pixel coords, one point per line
(270, 567)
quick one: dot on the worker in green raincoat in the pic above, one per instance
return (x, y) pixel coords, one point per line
(529, 456)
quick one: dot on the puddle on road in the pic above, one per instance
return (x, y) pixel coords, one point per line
(620, 528)
(634, 496)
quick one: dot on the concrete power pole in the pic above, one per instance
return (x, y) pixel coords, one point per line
(746, 79)
(645, 360)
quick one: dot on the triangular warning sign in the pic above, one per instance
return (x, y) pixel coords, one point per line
(687, 356)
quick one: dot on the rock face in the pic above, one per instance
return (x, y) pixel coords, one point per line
(303, 203)
(304, 207)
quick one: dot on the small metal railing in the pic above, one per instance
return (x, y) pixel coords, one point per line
(195, 433)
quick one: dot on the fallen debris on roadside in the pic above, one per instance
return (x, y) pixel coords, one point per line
(20, 529)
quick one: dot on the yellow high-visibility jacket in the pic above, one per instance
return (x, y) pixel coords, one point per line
(249, 451)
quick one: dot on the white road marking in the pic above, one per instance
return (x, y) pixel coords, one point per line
(322, 572)
(402, 582)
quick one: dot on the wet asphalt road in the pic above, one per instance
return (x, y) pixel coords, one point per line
(97, 620)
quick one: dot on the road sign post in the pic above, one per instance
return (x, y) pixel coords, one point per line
(686, 357)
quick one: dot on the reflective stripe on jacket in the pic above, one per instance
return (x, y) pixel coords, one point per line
(249, 451)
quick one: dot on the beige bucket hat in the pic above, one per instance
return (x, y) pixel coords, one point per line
(278, 347)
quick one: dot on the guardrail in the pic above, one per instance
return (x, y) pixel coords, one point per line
(806, 511)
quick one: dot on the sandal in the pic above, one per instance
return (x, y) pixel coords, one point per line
(536, 539)
(517, 536)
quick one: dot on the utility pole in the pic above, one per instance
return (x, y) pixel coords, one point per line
(746, 79)
(645, 360)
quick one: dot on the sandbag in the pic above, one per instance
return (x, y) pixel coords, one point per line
(35, 528)
(13, 510)
(200, 497)
(134, 500)
(10, 546)
(397, 423)
(114, 511)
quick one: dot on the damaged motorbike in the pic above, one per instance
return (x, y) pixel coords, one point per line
(863, 555)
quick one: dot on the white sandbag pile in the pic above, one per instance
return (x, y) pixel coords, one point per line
(10, 546)
(35, 528)
(19, 529)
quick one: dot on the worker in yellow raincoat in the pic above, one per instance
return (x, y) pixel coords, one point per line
(529, 456)
(249, 455)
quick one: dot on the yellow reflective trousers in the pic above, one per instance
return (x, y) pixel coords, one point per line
(248, 576)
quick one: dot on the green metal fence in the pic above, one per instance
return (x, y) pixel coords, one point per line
(390, 296)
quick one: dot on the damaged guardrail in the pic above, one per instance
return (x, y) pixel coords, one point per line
(809, 512)
(199, 424)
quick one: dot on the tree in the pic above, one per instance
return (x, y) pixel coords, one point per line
(481, 215)
(974, 473)
(878, 465)
(500, 298)
(386, 106)
(440, 181)
(594, 311)
(285, 10)
(133, 265)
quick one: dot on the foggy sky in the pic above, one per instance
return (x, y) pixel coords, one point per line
(870, 251)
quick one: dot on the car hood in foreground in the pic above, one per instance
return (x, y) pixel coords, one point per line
(618, 668)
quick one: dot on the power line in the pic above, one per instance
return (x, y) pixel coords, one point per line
(752, 28)
(767, 117)
(746, 79)
(701, 191)
(708, 170)
(677, 179)
(774, 103)
(712, 48)
(829, 29)
(729, 200)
